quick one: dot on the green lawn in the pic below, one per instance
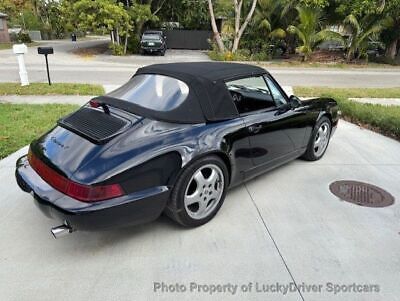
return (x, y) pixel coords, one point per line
(384, 119)
(54, 89)
(9, 45)
(20, 124)
(348, 92)
(5, 46)
(335, 65)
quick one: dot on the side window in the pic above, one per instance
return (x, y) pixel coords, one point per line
(250, 94)
(276, 93)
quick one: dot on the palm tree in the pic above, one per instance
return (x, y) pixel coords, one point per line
(267, 16)
(309, 31)
(361, 31)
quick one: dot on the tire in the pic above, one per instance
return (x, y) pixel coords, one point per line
(199, 192)
(321, 131)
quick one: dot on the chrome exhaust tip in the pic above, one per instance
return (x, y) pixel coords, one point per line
(60, 231)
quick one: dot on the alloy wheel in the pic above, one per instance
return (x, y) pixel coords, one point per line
(204, 191)
(321, 139)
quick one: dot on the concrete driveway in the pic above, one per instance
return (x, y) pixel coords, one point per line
(280, 228)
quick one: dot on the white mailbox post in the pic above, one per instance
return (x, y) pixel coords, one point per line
(20, 50)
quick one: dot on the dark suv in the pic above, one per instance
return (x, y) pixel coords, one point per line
(153, 41)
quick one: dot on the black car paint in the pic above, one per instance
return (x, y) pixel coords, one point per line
(148, 156)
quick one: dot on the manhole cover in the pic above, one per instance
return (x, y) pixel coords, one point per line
(362, 194)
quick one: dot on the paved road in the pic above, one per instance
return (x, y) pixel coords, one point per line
(105, 69)
(282, 227)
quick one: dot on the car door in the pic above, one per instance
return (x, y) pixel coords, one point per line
(268, 119)
(297, 119)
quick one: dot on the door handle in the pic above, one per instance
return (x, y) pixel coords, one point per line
(254, 128)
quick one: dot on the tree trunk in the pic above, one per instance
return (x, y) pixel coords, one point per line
(126, 42)
(349, 56)
(217, 36)
(239, 32)
(391, 51)
(139, 28)
(112, 36)
(398, 48)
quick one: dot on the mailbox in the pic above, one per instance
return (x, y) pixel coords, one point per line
(20, 49)
(45, 50)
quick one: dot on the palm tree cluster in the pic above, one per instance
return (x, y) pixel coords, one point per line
(301, 26)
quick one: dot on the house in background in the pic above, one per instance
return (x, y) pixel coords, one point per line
(4, 36)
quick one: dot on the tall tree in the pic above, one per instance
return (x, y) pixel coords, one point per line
(239, 28)
(267, 18)
(188, 13)
(361, 29)
(239, 23)
(99, 15)
(217, 35)
(309, 31)
(391, 33)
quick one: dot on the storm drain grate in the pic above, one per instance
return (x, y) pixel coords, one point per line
(362, 194)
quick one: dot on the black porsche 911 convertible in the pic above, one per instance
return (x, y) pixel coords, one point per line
(173, 139)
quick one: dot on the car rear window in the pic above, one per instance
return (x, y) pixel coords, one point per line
(153, 91)
(151, 37)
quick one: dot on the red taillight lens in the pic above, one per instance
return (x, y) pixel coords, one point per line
(94, 104)
(77, 191)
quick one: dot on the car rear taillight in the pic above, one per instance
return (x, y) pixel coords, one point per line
(84, 193)
(94, 103)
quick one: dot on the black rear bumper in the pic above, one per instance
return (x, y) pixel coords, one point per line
(136, 208)
(152, 49)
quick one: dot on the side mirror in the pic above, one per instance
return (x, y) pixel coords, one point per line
(294, 101)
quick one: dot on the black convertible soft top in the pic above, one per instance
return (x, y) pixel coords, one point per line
(208, 99)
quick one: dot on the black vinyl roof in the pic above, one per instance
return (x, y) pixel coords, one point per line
(208, 70)
(208, 100)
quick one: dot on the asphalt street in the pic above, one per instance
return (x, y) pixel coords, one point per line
(106, 69)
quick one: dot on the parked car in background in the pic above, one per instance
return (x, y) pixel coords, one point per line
(14, 30)
(153, 41)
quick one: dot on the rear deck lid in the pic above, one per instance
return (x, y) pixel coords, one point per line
(95, 125)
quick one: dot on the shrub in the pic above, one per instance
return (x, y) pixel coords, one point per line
(21, 37)
(116, 49)
(134, 44)
(13, 37)
(261, 56)
(240, 55)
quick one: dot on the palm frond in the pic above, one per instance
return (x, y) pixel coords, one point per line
(278, 33)
(287, 7)
(327, 35)
(352, 21)
(265, 25)
(295, 30)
